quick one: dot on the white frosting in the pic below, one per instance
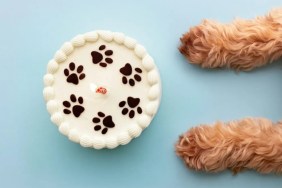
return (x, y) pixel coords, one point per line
(67, 48)
(148, 62)
(74, 135)
(91, 36)
(123, 138)
(140, 51)
(52, 106)
(119, 38)
(48, 79)
(144, 121)
(86, 141)
(60, 56)
(79, 126)
(153, 77)
(130, 42)
(57, 118)
(52, 66)
(106, 35)
(78, 41)
(64, 128)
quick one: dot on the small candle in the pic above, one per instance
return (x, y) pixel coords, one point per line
(98, 89)
(101, 90)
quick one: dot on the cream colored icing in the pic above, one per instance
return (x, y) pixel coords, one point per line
(57, 89)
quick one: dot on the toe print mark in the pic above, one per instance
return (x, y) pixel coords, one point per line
(129, 76)
(132, 103)
(76, 109)
(98, 57)
(103, 121)
(72, 76)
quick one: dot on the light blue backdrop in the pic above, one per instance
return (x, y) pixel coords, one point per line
(34, 154)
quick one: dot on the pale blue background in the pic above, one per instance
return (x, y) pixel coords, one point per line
(34, 154)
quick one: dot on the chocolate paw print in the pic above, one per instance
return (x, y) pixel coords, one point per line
(105, 121)
(127, 72)
(76, 109)
(98, 57)
(74, 77)
(132, 104)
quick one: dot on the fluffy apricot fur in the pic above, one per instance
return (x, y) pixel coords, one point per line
(251, 143)
(241, 45)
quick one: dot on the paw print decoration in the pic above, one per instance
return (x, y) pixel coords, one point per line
(74, 106)
(103, 122)
(128, 76)
(73, 76)
(98, 57)
(133, 104)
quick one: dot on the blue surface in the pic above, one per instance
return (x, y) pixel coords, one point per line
(34, 154)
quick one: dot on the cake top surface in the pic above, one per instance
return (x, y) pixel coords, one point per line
(102, 89)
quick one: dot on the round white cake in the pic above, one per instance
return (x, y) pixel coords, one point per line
(102, 89)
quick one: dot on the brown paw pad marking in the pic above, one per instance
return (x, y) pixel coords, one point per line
(76, 109)
(73, 76)
(103, 122)
(133, 104)
(98, 57)
(129, 76)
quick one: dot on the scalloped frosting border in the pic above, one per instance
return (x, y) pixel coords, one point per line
(154, 93)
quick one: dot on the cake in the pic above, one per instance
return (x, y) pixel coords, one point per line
(102, 89)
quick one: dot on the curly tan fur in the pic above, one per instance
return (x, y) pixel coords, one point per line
(241, 45)
(248, 143)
